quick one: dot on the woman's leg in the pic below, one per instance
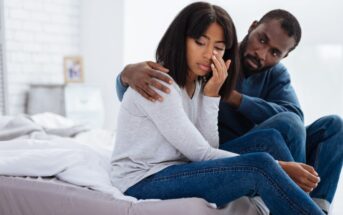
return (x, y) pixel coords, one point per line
(261, 140)
(223, 180)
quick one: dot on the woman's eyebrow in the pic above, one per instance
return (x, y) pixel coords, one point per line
(207, 37)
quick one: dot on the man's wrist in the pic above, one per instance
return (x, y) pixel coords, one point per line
(235, 99)
(123, 80)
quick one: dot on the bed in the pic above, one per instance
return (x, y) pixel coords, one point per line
(49, 165)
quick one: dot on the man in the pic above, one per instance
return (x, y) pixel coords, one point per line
(264, 98)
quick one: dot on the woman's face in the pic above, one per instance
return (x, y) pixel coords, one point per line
(200, 51)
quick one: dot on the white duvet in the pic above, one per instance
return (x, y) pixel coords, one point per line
(65, 159)
(83, 160)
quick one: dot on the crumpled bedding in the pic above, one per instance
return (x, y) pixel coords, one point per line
(28, 148)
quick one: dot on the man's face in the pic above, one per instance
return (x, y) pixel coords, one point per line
(264, 46)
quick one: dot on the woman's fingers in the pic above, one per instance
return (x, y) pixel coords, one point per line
(312, 174)
(305, 188)
(215, 72)
(218, 66)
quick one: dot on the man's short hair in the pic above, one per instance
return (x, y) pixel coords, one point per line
(288, 22)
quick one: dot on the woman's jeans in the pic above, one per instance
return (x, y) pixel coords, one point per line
(223, 180)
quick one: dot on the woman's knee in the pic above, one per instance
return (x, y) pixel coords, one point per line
(259, 160)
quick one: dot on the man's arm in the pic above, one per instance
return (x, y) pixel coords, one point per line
(120, 87)
(140, 77)
(279, 97)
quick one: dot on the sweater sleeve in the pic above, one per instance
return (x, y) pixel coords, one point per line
(280, 97)
(121, 89)
(207, 121)
(171, 120)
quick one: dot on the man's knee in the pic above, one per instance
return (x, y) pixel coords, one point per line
(332, 126)
(291, 119)
(334, 122)
(287, 123)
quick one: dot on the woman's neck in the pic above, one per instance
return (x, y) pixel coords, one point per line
(190, 84)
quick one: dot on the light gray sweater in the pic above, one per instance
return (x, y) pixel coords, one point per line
(154, 135)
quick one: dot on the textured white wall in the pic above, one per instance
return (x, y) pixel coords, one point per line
(38, 34)
(102, 48)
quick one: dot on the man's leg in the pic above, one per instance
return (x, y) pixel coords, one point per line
(292, 129)
(324, 146)
(260, 140)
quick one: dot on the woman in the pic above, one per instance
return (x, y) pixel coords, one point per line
(170, 149)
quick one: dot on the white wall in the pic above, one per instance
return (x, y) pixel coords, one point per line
(38, 34)
(315, 75)
(144, 24)
(102, 49)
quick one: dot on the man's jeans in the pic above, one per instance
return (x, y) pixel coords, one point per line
(223, 180)
(319, 144)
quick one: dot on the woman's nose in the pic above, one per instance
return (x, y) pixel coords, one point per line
(208, 53)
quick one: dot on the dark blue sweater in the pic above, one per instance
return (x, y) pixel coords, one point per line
(264, 95)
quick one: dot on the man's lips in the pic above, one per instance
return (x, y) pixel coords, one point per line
(252, 63)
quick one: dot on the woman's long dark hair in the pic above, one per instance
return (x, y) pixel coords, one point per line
(193, 21)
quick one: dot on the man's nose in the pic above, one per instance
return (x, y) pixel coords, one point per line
(261, 54)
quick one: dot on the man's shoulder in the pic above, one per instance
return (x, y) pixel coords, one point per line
(278, 72)
(278, 68)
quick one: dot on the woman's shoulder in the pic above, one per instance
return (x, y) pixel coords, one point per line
(174, 91)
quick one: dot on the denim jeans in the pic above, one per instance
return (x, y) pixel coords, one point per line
(319, 145)
(223, 180)
(260, 140)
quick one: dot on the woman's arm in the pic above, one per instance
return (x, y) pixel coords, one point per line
(207, 120)
(173, 123)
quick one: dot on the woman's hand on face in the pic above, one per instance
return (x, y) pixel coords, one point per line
(303, 175)
(219, 75)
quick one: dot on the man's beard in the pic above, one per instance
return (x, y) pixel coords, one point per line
(247, 70)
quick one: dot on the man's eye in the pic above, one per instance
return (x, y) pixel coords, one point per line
(262, 41)
(275, 53)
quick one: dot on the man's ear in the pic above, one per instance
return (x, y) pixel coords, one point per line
(253, 25)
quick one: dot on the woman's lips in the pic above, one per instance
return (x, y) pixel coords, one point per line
(204, 67)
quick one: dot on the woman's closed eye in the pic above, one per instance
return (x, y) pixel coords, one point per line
(219, 48)
(200, 43)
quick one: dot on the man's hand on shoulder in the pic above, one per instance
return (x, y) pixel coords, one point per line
(142, 76)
